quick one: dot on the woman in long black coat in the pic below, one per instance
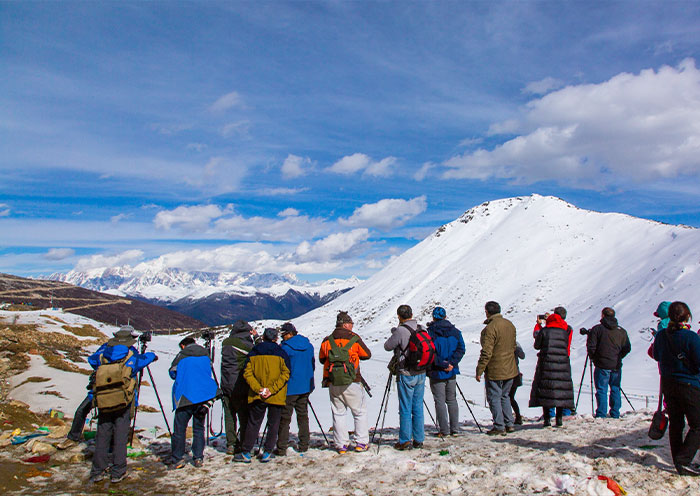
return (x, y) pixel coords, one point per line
(552, 385)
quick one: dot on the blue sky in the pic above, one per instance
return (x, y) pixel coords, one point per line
(324, 138)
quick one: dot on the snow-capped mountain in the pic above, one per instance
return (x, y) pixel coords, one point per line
(215, 298)
(531, 254)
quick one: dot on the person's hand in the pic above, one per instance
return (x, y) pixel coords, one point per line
(265, 393)
(254, 332)
(155, 359)
(449, 368)
(478, 378)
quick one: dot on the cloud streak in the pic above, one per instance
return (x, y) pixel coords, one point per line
(386, 214)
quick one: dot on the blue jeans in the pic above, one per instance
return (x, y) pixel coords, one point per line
(566, 412)
(604, 378)
(411, 390)
(498, 396)
(182, 418)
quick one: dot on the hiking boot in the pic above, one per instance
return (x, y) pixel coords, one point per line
(547, 423)
(66, 443)
(518, 420)
(266, 457)
(496, 432)
(94, 479)
(692, 470)
(403, 446)
(242, 457)
(280, 452)
(230, 450)
(559, 422)
(178, 465)
(359, 447)
(342, 450)
(440, 435)
(417, 445)
(510, 428)
(198, 462)
(455, 433)
(301, 449)
(118, 478)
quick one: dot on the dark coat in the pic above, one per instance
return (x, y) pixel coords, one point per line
(608, 344)
(552, 385)
(449, 349)
(234, 351)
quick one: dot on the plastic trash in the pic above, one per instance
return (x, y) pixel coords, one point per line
(613, 486)
(37, 459)
(23, 439)
(444, 452)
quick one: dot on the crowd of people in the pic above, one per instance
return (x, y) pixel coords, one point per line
(261, 378)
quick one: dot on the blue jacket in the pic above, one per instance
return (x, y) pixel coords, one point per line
(192, 372)
(301, 356)
(683, 341)
(449, 348)
(137, 362)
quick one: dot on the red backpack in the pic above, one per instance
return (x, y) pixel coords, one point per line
(420, 353)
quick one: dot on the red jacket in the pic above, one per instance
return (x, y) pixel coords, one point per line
(555, 320)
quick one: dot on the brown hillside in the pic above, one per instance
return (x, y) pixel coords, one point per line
(98, 306)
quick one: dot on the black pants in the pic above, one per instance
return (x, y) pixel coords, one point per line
(559, 413)
(111, 425)
(83, 410)
(514, 388)
(682, 402)
(300, 404)
(256, 414)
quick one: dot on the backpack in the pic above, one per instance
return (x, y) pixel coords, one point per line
(420, 353)
(114, 387)
(341, 372)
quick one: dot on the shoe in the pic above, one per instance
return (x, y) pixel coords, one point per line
(178, 465)
(440, 435)
(496, 432)
(417, 445)
(301, 449)
(692, 470)
(198, 462)
(117, 479)
(266, 457)
(547, 423)
(94, 479)
(455, 434)
(342, 450)
(403, 446)
(559, 423)
(66, 443)
(510, 428)
(359, 447)
(230, 450)
(280, 452)
(518, 420)
(242, 457)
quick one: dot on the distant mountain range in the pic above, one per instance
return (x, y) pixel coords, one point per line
(214, 298)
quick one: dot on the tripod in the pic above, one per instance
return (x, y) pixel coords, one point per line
(319, 423)
(589, 363)
(467, 403)
(384, 404)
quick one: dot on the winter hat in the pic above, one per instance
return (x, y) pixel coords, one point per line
(270, 334)
(343, 318)
(662, 310)
(125, 336)
(240, 326)
(439, 313)
(288, 328)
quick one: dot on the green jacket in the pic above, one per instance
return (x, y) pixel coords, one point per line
(497, 356)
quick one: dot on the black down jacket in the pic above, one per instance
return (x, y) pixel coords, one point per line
(552, 385)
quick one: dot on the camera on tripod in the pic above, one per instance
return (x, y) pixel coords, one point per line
(583, 331)
(146, 336)
(207, 335)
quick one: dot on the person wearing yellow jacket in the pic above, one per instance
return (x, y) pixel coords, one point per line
(266, 371)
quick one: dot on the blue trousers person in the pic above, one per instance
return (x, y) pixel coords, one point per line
(411, 390)
(603, 379)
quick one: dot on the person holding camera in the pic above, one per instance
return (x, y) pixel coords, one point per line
(539, 325)
(607, 345)
(193, 391)
(552, 386)
(677, 349)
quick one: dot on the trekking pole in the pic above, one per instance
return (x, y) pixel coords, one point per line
(381, 405)
(429, 413)
(467, 403)
(160, 403)
(386, 407)
(580, 384)
(260, 441)
(628, 400)
(319, 423)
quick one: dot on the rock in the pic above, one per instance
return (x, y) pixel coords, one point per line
(77, 457)
(19, 404)
(42, 448)
(59, 431)
(4, 443)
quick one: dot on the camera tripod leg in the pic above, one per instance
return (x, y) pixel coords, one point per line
(386, 407)
(628, 400)
(381, 405)
(467, 403)
(160, 403)
(136, 409)
(319, 423)
(583, 375)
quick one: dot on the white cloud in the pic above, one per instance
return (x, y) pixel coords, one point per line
(118, 218)
(287, 228)
(543, 86)
(294, 166)
(356, 162)
(98, 261)
(195, 218)
(470, 141)
(279, 191)
(421, 173)
(631, 128)
(386, 214)
(334, 246)
(288, 212)
(226, 102)
(4, 210)
(59, 253)
(238, 128)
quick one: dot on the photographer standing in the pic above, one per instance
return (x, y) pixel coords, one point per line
(607, 345)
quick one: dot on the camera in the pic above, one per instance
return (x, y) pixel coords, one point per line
(541, 317)
(146, 336)
(207, 335)
(583, 331)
